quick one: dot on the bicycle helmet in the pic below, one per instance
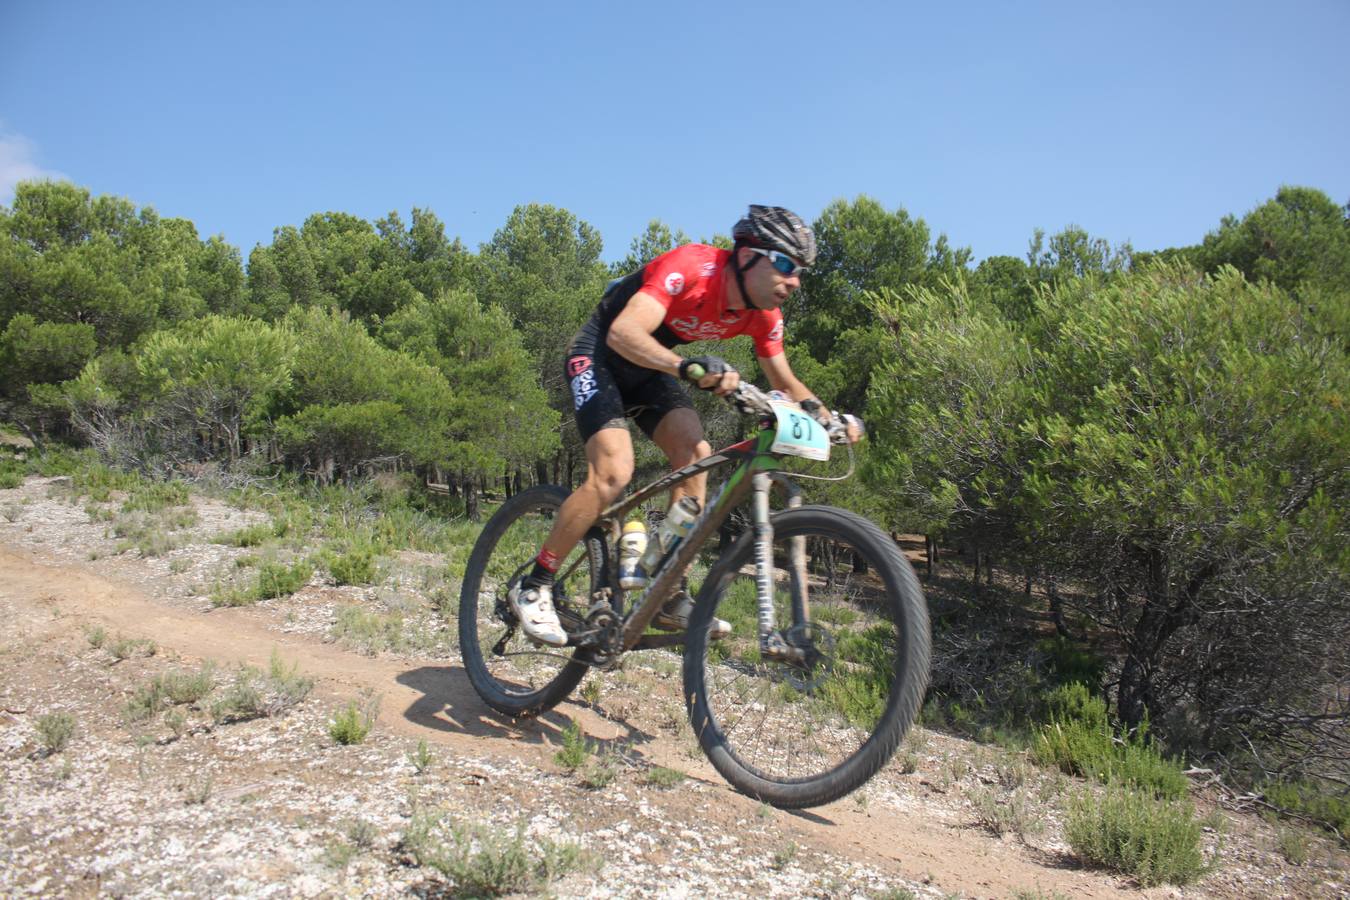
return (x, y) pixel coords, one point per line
(775, 228)
(771, 228)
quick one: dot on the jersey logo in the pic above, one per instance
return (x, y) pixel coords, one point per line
(693, 329)
(708, 269)
(578, 364)
(777, 333)
(674, 283)
(583, 386)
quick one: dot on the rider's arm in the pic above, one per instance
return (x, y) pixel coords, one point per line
(781, 378)
(630, 335)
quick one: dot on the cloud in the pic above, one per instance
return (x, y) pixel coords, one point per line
(18, 162)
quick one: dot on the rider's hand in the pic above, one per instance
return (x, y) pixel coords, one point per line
(849, 426)
(718, 377)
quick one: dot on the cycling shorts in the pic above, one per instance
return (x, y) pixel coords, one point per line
(607, 389)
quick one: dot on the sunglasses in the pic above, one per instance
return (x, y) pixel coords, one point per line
(780, 261)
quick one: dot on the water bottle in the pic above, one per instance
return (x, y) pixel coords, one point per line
(679, 522)
(631, 546)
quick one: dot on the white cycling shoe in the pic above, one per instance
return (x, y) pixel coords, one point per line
(674, 616)
(538, 618)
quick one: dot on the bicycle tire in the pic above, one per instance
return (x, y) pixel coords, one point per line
(521, 690)
(743, 710)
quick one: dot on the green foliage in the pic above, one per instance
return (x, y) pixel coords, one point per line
(1079, 741)
(498, 412)
(55, 731)
(355, 565)
(153, 497)
(655, 240)
(1311, 800)
(862, 248)
(248, 536)
(662, 777)
(575, 748)
(483, 861)
(351, 724)
(421, 758)
(1155, 841)
(188, 687)
(1298, 240)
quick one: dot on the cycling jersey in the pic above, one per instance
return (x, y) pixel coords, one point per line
(690, 283)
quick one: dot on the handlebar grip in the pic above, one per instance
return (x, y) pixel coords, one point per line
(694, 372)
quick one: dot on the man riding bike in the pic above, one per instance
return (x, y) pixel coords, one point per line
(621, 365)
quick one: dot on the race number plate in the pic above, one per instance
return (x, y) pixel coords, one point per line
(798, 434)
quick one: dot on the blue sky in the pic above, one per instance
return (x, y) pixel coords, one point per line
(1141, 122)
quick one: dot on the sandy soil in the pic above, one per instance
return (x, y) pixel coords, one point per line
(273, 806)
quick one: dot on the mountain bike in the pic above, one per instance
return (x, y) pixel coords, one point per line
(828, 658)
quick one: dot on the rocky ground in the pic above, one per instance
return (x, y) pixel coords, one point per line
(233, 794)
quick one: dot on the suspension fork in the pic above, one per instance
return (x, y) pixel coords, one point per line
(771, 642)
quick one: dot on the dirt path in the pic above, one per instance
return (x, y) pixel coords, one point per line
(285, 789)
(434, 702)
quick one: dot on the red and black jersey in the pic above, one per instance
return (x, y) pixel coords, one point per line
(690, 281)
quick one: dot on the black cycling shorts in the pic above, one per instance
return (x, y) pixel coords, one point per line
(606, 389)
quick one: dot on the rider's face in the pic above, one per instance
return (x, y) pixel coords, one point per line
(768, 288)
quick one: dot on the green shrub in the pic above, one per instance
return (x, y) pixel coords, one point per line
(154, 497)
(10, 476)
(1156, 841)
(486, 862)
(148, 700)
(662, 777)
(188, 687)
(1307, 798)
(353, 566)
(279, 580)
(351, 724)
(1079, 740)
(575, 747)
(55, 731)
(248, 536)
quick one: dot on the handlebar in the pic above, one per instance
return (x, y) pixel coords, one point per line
(751, 401)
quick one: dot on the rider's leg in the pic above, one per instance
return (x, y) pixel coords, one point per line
(609, 454)
(609, 459)
(679, 434)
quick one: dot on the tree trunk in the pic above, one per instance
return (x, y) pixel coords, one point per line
(540, 472)
(1057, 609)
(471, 508)
(931, 551)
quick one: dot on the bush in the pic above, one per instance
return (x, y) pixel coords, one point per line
(1308, 799)
(354, 566)
(575, 747)
(1156, 841)
(279, 580)
(351, 724)
(156, 496)
(55, 731)
(1079, 741)
(248, 536)
(486, 862)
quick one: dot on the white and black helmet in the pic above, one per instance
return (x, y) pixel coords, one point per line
(776, 228)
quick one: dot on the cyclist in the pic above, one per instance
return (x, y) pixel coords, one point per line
(621, 365)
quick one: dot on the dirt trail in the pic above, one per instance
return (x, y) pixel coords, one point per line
(433, 701)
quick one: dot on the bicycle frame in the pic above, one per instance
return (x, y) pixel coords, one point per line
(756, 471)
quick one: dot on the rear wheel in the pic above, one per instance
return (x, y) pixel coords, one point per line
(510, 672)
(806, 732)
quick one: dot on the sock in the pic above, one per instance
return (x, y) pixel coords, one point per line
(545, 565)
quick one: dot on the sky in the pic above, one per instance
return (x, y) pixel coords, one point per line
(1141, 122)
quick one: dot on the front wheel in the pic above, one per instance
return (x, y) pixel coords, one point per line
(804, 733)
(511, 673)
